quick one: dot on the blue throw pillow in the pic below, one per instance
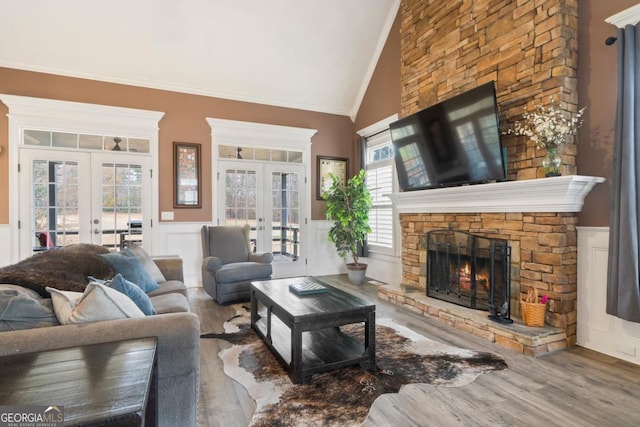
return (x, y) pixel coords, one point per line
(131, 269)
(134, 292)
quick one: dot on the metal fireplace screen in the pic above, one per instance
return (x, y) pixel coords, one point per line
(470, 270)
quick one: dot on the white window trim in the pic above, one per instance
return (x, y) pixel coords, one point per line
(259, 135)
(366, 133)
(28, 113)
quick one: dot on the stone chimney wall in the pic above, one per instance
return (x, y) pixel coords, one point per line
(529, 47)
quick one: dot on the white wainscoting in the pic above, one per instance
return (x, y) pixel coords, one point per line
(5, 247)
(183, 239)
(598, 330)
(384, 268)
(323, 258)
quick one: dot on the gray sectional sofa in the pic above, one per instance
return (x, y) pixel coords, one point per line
(177, 331)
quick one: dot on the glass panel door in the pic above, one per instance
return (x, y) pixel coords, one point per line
(268, 198)
(77, 197)
(51, 208)
(241, 203)
(121, 205)
(285, 216)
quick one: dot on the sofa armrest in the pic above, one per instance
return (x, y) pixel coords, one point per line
(211, 263)
(261, 257)
(178, 357)
(178, 338)
(171, 267)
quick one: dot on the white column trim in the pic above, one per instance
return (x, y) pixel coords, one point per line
(249, 134)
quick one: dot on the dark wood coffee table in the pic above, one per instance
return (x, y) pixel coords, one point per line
(304, 331)
(102, 384)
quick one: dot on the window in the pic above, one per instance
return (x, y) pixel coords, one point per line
(381, 180)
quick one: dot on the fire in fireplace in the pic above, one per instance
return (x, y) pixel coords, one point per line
(470, 270)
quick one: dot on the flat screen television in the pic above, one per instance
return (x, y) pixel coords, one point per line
(452, 143)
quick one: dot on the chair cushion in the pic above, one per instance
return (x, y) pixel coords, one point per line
(243, 271)
(170, 303)
(170, 287)
(229, 243)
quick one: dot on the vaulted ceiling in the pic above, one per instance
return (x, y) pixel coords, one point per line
(315, 55)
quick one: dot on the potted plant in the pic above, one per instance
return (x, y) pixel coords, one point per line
(348, 206)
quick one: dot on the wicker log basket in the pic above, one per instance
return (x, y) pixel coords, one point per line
(532, 310)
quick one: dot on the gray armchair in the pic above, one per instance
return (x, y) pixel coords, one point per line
(228, 266)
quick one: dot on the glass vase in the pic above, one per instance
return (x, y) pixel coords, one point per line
(552, 162)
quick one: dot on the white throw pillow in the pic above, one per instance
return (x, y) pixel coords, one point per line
(97, 303)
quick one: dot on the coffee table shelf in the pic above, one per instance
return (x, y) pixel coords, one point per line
(319, 348)
(304, 331)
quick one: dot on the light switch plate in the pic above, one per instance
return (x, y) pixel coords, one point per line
(166, 216)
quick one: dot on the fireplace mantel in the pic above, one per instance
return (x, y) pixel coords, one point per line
(554, 194)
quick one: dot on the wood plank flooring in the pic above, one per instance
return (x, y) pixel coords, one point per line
(575, 387)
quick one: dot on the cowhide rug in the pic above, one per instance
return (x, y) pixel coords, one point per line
(342, 397)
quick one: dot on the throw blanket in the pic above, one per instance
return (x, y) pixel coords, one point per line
(66, 269)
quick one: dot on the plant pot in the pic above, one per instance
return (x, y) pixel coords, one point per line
(356, 273)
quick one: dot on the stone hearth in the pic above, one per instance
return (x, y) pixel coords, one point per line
(537, 217)
(516, 336)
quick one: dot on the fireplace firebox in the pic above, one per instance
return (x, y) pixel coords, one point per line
(470, 270)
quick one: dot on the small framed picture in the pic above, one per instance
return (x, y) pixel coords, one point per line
(187, 173)
(330, 165)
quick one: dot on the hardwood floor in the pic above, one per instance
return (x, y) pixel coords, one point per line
(575, 387)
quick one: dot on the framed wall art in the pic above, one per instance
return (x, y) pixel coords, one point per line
(187, 173)
(330, 165)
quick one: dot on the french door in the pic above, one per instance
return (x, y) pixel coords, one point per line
(269, 197)
(69, 197)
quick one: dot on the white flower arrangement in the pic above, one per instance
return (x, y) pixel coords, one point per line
(548, 126)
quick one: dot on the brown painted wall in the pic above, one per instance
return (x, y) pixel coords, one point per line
(597, 89)
(184, 120)
(382, 98)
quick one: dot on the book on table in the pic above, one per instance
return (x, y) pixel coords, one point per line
(307, 287)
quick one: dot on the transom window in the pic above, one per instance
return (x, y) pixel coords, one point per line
(238, 152)
(79, 141)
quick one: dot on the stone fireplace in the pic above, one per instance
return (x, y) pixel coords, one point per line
(470, 270)
(530, 50)
(537, 217)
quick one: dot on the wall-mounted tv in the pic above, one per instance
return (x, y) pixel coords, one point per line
(454, 142)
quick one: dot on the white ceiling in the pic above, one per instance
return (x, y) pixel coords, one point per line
(315, 55)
